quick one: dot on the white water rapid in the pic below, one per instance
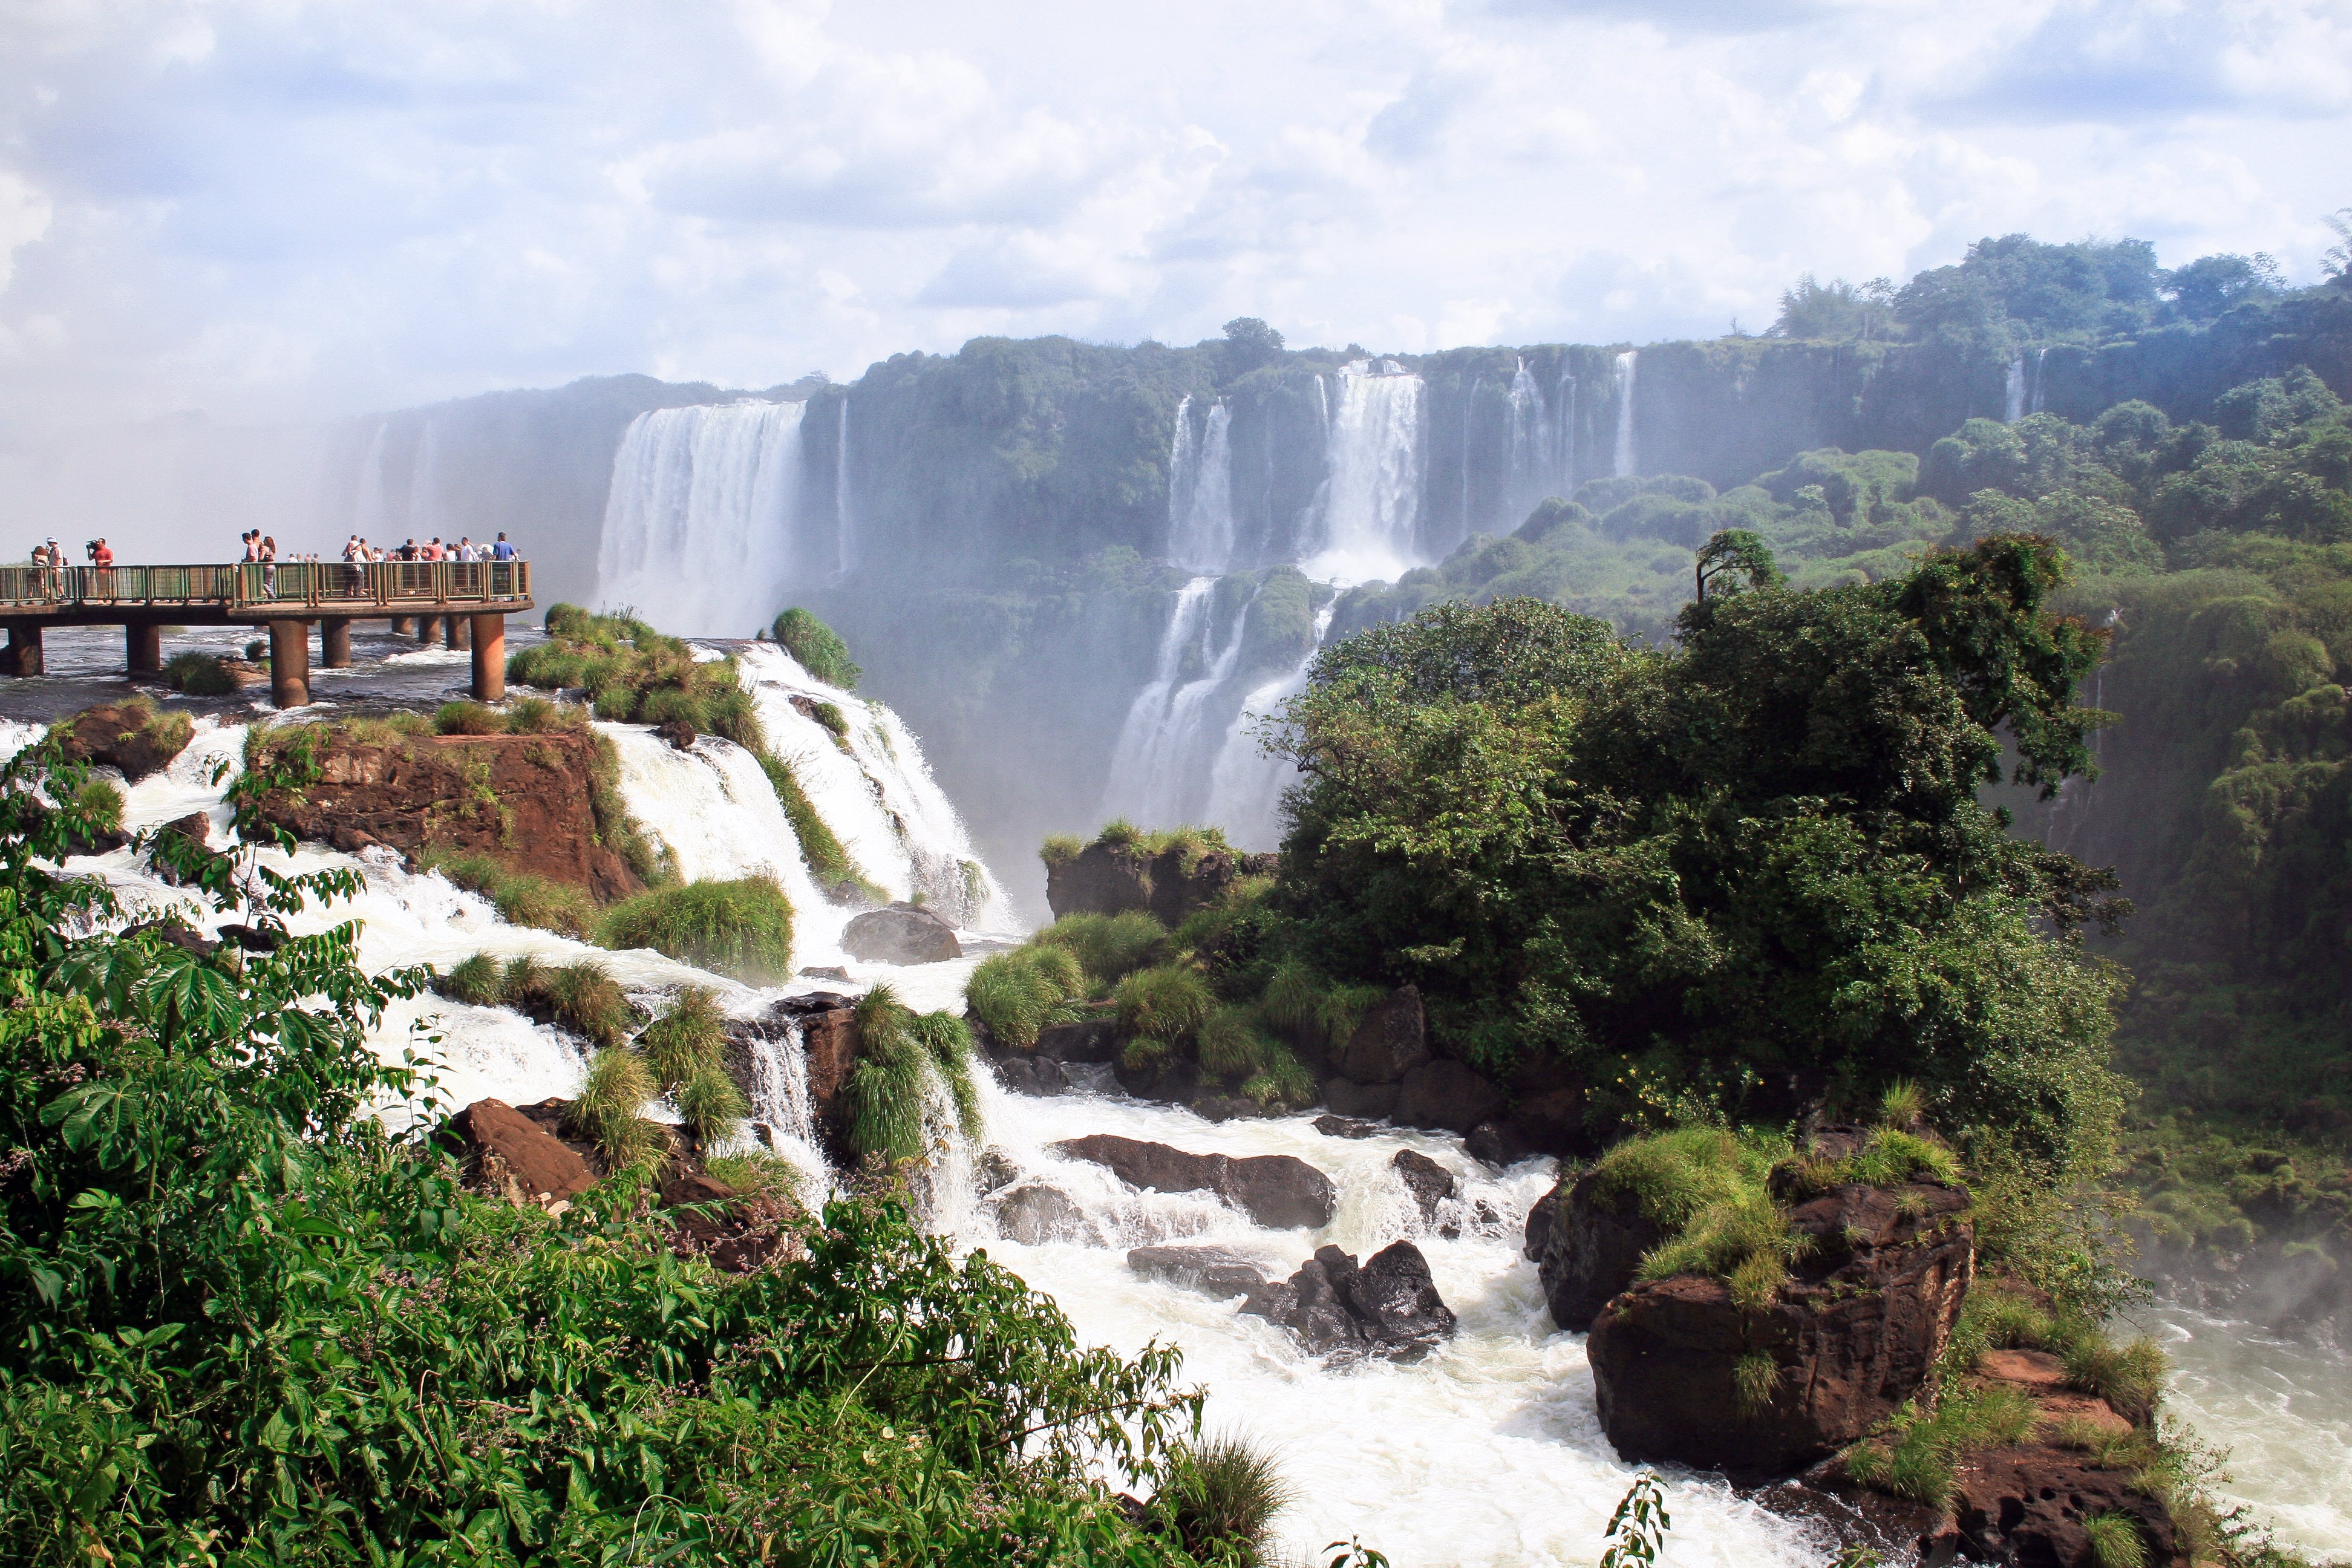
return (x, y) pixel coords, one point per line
(1201, 491)
(1368, 511)
(1628, 364)
(699, 522)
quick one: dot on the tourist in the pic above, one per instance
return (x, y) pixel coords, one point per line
(101, 556)
(502, 551)
(267, 555)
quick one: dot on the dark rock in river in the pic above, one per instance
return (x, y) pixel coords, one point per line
(120, 737)
(1445, 1093)
(1094, 1038)
(1345, 1127)
(900, 933)
(1275, 1190)
(1034, 1213)
(1391, 1041)
(1027, 1075)
(1430, 1182)
(1851, 1336)
(1388, 1308)
(1592, 1250)
(1212, 1271)
(1347, 1097)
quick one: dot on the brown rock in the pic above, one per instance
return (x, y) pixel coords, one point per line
(901, 933)
(1275, 1190)
(116, 736)
(1375, 1101)
(523, 800)
(1445, 1093)
(2036, 1372)
(738, 1234)
(1594, 1245)
(1852, 1335)
(514, 1154)
(2026, 1505)
(1391, 1041)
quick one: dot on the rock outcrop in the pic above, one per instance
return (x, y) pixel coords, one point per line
(1430, 1182)
(525, 801)
(1388, 1308)
(737, 1232)
(1112, 878)
(1854, 1332)
(1033, 1212)
(513, 1155)
(1275, 1190)
(1447, 1094)
(1212, 1271)
(122, 736)
(1590, 1252)
(901, 933)
(1391, 1041)
(2026, 1505)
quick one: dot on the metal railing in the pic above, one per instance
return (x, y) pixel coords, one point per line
(327, 586)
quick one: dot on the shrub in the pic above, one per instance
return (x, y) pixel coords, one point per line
(1109, 947)
(1163, 1004)
(101, 803)
(1902, 1103)
(2116, 1541)
(690, 1035)
(1017, 994)
(608, 1109)
(1061, 848)
(468, 719)
(538, 716)
(742, 927)
(672, 703)
(256, 650)
(475, 981)
(1281, 1078)
(1915, 1456)
(1231, 1046)
(711, 1104)
(884, 1091)
(817, 647)
(198, 675)
(1220, 1498)
(1119, 834)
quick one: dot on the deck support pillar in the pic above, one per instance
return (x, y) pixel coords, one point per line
(427, 627)
(289, 662)
(22, 655)
(489, 639)
(403, 626)
(335, 642)
(143, 648)
(458, 632)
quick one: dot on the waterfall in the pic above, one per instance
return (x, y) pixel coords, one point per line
(2041, 355)
(1246, 785)
(1201, 492)
(699, 523)
(1161, 757)
(845, 555)
(2013, 408)
(1566, 435)
(372, 507)
(1627, 363)
(1370, 505)
(424, 486)
(1469, 408)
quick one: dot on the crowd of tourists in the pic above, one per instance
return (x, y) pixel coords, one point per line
(357, 550)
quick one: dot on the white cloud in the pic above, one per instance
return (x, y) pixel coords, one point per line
(271, 208)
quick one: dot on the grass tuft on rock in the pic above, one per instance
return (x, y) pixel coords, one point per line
(1220, 1498)
(468, 719)
(1108, 948)
(690, 1035)
(475, 982)
(610, 1107)
(198, 675)
(883, 1092)
(2116, 1541)
(521, 898)
(817, 647)
(1164, 1003)
(1914, 1457)
(711, 1105)
(1016, 995)
(1061, 848)
(742, 927)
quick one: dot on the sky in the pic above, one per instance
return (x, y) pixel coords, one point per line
(271, 210)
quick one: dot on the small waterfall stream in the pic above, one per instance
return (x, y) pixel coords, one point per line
(1628, 364)
(2012, 397)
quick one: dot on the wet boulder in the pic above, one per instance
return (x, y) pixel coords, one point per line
(1033, 1212)
(1212, 1271)
(1027, 1075)
(1591, 1250)
(1446, 1093)
(1092, 1038)
(508, 1152)
(1275, 1190)
(901, 933)
(1360, 1102)
(1854, 1332)
(124, 736)
(1386, 1308)
(1430, 1182)
(1345, 1127)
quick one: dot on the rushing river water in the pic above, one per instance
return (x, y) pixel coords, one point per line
(1489, 1453)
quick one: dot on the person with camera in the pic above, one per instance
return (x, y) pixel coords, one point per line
(101, 556)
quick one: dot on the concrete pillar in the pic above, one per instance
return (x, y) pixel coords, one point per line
(490, 658)
(143, 641)
(427, 627)
(403, 626)
(23, 654)
(458, 632)
(335, 642)
(289, 662)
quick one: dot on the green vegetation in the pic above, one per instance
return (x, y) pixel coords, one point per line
(742, 927)
(580, 997)
(829, 862)
(1109, 947)
(902, 1058)
(99, 802)
(470, 719)
(198, 675)
(1914, 1457)
(521, 898)
(1220, 1498)
(254, 1325)
(2116, 1541)
(609, 1109)
(631, 672)
(1017, 994)
(817, 648)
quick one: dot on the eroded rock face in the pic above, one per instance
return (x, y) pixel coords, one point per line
(116, 736)
(1389, 1307)
(1033, 1212)
(2026, 1505)
(1275, 1190)
(1850, 1337)
(1212, 1271)
(826, 1024)
(901, 933)
(509, 1153)
(1590, 1251)
(523, 800)
(1391, 1041)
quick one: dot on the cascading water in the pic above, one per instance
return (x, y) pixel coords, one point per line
(1564, 433)
(698, 524)
(1246, 785)
(1160, 767)
(2012, 405)
(424, 486)
(1369, 506)
(2040, 358)
(372, 507)
(845, 555)
(1201, 491)
(1628, 364)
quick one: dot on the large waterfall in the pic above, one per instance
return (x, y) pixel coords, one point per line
(1201, 491)
(1369, 510)
(699, 525)
(1246, 784)
(1625, 466)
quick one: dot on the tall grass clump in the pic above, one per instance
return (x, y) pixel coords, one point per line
(1220, 1498)
(884, 1093)
(1706, 1188)
(198, 675)
(690, 1035)
(609, 1109)
(1163, 1004)
(1016, 995)
(468, 719)
(1061, 848)
(2116, 1541)
(100, 802)
(948, 1040)
(1914, 1458)
(711, 1105)
(828, 859)
(1108, 948)
(817, 647)
(477, 982)
(742, 928)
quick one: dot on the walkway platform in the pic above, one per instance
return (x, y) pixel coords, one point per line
(464, 601)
